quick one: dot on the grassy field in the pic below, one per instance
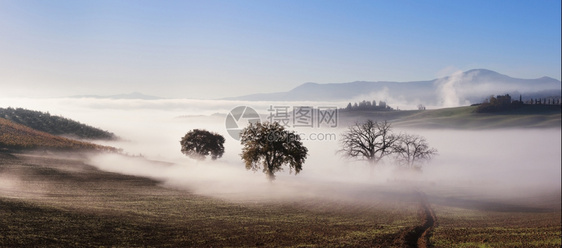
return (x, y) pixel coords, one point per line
(529, 116)
(461, 227)
(468, 216)
(20, 137)
(54, 201)
(59, 200)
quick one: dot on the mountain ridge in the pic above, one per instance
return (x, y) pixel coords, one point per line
(130, 96)
(464, 87)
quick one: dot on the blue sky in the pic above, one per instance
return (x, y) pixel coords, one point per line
(213, 49)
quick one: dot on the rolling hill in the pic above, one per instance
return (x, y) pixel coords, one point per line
(55, 125)
(20, 137)
(528, 116)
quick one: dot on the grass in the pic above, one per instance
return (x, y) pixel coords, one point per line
(468, 217)
(529, 116)
(460, 227)
(53, 201)
(58, 201)
(20, 137)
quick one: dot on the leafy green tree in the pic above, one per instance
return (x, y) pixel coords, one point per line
(200, 143)
(271, 146)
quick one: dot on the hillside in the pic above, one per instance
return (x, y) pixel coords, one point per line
(528, 116)
(55, 125)
(17, 136)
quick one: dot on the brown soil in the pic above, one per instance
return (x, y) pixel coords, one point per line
(418, 236)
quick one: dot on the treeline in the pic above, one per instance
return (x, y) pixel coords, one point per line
(505, 102)
(368, 105)
(544, 101)
(20, 137)
(55, 125)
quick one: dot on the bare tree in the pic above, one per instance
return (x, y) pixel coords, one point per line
(370, 141)
(412, 150)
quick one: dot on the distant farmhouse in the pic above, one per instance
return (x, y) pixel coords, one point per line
(505, 102)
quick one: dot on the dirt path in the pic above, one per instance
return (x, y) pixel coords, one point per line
(430, 221)
(418, 236)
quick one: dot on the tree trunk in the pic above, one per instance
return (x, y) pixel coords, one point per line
(270, 174)
(372, 164)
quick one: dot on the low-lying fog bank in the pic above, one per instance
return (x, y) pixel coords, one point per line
(492, 164)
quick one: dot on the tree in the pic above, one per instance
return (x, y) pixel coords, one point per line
(201, 143)
(271, 146)
(370, 141)
(412, 150)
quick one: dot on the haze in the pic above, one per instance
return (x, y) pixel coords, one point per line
(510, 165)
(215, 49)
(150, 71)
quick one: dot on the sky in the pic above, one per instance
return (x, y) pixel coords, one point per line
(214, 49)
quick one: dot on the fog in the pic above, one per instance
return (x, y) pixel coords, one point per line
(487, 164)
(448, 89)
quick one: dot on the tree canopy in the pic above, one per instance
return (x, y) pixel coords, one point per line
(200, 143)
(270, 146)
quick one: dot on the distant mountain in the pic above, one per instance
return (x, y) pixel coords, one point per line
(461, 88)
(20, 137)
(134, 95)
(55, 125)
